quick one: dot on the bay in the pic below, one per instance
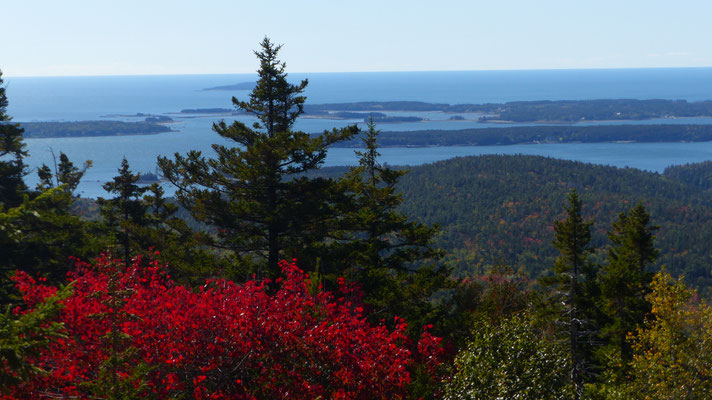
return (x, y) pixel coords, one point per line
(110, 97)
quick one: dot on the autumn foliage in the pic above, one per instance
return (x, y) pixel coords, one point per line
(260, 339)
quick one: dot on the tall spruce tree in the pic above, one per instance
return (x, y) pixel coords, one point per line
(574, 291)
(625, 282)
(126, 212)
(12, 151)
(388, 254)
(254, 192)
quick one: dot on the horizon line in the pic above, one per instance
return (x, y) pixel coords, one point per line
(354, 72)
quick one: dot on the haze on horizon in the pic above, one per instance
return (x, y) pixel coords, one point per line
(131, 37)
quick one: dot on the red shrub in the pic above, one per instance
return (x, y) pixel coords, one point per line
(227, 341)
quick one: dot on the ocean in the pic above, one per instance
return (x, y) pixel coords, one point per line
(114, 97)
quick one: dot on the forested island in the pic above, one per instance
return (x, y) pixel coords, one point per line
(563, 111)
(600, 110)
(208, 111)
(92, 128)
(542, 134)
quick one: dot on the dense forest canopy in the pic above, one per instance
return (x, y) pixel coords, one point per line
(500, 210)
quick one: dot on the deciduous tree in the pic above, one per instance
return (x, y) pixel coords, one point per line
(510, 360)
(258, 340)
(672, 351)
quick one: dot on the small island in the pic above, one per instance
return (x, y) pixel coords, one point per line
(90, 128)
(159, 119)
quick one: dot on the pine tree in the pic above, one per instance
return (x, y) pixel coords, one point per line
(125, 212)
(625, 282)
(388, 253)
(254, 192)
(139, 219)
(12, 151)
(65, 173)
(575, 291)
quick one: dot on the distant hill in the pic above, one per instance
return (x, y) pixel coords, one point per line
(698, 174)
(500, 210)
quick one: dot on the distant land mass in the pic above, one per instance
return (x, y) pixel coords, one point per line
(339, 115)
(563, 111)
(422, 138)
(237, 86)
(543, 111)
(541, 134)
(90, 128)
(209, 111)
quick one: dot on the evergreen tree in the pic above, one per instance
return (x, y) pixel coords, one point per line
(125, 212)
(65, 173)
(388, 253)
(575, 291)
(140, 219)
(625, 283)
(253, 192)
(12, 151)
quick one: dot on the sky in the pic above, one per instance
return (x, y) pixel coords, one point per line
(136, 37)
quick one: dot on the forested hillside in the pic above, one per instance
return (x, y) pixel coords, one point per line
(698, 174)
(501, 209)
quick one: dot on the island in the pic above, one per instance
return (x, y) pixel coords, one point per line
(90, 128)
(544, 111)
(237, 86)
(159, 119)
(541, 134)
(387, 119)
(209, 111)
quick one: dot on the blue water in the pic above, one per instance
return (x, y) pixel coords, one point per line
(91, 98)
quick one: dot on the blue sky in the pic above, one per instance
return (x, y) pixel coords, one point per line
(126, 37)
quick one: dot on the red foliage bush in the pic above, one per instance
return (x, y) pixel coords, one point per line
(263, 340)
